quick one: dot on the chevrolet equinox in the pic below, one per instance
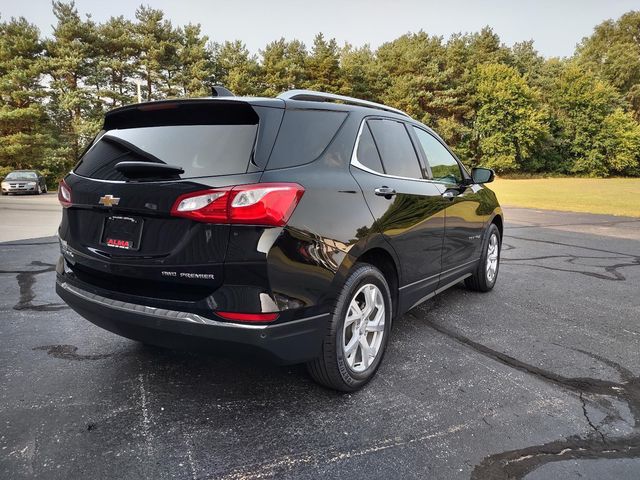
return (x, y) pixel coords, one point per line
(295, 227)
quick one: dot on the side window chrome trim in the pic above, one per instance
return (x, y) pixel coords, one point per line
(354, 154)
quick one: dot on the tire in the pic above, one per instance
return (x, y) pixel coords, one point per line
(337, 369)
(484, 278)
(5, 193)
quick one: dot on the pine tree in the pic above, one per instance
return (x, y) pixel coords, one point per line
(75, 107)
(283, 66)
(236, 69)
(323, 66)
(158, 62)
(361, 73)
(194, 71)
(24, 127)
(117, 55)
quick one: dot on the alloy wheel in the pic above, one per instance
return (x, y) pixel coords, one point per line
(363, 328)
(492, 258)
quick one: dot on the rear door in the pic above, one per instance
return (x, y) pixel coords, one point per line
(465, 218)
(120, 224)
(406, 207)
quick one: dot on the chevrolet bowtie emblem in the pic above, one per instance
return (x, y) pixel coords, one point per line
(109, 200)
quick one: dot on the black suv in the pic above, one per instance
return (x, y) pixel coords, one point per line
(298, 227)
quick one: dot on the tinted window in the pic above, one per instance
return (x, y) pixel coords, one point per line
(303, 136)
(398, 156)
(367, 153)
(444, 167)
(201, 150)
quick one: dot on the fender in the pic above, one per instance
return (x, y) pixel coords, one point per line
(357, 251)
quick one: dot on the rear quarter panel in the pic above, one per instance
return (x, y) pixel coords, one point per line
(330, 228)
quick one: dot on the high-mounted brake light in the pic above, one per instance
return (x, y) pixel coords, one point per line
(64, 194)
(261, 204)
(157, 106)
(249, 317)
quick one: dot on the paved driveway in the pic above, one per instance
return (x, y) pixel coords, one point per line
(28, 216)
(537, 379)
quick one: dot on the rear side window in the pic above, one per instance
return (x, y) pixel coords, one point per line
(201, 150)
(367, 153)
(398, 155)
(303, 136)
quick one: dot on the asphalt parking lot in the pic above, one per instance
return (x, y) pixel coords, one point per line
(28, 216)
(538, 379)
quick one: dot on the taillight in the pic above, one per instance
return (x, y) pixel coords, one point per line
(261, 204)
(204, 206)
(64, 194)
(264, 204)
(249, 317)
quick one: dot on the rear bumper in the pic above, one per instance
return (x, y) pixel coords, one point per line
(291, 342)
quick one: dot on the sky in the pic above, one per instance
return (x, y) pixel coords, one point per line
(556, 26)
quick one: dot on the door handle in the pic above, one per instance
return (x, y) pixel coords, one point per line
(386, 192)
(449, 195)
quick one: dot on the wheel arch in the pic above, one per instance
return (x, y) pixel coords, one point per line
(384, 261)
(498, 221)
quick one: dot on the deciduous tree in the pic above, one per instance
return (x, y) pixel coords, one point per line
(510, 124)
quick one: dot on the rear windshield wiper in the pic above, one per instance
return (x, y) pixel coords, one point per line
(130, 147)
(152, 167)
(148, 169)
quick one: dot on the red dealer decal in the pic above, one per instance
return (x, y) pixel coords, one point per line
(118, 243)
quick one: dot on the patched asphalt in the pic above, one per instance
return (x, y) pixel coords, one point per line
(538, 379)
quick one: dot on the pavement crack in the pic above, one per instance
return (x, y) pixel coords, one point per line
(612, 271)
(516, 464)
(579, 384)
(571, 245)
(586, 416)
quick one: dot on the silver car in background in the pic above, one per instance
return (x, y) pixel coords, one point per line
(24, 181)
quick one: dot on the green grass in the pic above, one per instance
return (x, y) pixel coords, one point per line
(614, 196)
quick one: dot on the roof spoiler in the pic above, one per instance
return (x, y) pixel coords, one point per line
(181, 112)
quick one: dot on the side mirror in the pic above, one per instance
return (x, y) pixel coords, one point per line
(482, 175)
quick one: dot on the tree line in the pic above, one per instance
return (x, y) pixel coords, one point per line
(508, 108)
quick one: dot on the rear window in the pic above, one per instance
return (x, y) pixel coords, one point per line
(303, 136)
(201, 150)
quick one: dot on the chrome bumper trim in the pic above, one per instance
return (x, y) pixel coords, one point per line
(153, 312)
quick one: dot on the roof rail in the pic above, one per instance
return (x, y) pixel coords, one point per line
(313, 96)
